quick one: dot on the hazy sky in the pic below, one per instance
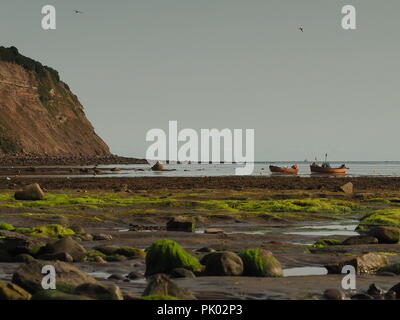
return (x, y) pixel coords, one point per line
(135, 65)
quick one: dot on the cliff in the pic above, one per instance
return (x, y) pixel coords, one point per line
(39, 115)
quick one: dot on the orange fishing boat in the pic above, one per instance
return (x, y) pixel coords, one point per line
(293, 170)
(315, 168)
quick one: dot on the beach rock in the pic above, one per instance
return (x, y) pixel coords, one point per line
(62, 248)
(99, 291)
(160, 284)
(158, 166)
(131, 297)
(180, 223)
(11, 291)
(102, 237)
(347, 188)
(356, 240)
(131, 253)
(393, 269)
(213, 231)
(206, 250)
(116, 277)
(99, 259)
(181, 273)
(15, 243)
(375, 290)
(29, 276)
(24, 257)
(78, 229)
(165, 255)
(58, 296)
(260, 263)
(135, 275)
(391, 295)
(395, 289)
(107, 250)
(32, 192)
(362, 296)
(386, 235)
(116, 258)
(365, 264)
(223, 264)
(59, 256)
(334, 294)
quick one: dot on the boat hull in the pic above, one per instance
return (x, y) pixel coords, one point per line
(275, 169)
(318, 169)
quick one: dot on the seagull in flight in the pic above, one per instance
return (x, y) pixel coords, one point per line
(301, 28)
(78, 12)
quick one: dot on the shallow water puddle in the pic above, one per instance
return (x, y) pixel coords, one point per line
(345, 229)
(305, 271)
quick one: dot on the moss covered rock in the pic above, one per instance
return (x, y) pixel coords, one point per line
(11, 291)
(223, 264)
(130, 252)
(6, 226)
(384, 217)
(165, 255)
(260, 263)
(321, 243)
(51, 230)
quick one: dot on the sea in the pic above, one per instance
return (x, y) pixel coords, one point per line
(356, 169)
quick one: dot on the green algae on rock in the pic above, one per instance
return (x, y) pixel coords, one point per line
(165, 255)
(6, 226)
(383, 217)
(321, 243)
(260, 263)
(51, 230)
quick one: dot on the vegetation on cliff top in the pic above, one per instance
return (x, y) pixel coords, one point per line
(12, 55)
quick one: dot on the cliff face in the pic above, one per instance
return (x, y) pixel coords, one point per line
(39, 115)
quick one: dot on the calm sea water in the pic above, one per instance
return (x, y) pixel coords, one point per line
(384, 168)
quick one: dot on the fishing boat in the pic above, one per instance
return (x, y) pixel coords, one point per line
(315, 168)
(292, 170)
(326, 167)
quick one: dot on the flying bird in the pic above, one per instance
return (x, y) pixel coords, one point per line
(301, 29)
(78, 12)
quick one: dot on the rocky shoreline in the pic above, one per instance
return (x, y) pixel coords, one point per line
(188, 238)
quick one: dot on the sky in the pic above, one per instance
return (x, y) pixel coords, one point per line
(137, 64)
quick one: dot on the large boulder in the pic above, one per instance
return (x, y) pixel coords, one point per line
(223, 264)
(365, 264)
(99, 291)
(161, 285)
(385, 234)
(33, 192)
(181, 223)
(62, 248)
(29, 276)
(11, 291)
(165, 255)
(260, 263)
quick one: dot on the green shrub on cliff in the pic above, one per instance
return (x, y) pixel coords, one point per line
(165, 255)
(260, 263)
